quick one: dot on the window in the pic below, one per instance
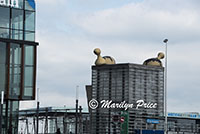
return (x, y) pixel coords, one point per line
(20, 4)
(30, 36)
(28, 70)
(4, 22)
(16, 34)
(29, 21)
(5, 15)
(17, 19)
(15, 70)
(17, 24)
(4, 33)
(29, 26)
(2, 66)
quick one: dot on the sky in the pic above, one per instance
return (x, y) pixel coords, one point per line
(130, 31)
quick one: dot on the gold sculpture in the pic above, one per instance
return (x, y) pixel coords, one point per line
(155, 61)
(102, 60)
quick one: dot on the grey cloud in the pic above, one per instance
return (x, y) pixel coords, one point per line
(142, 22)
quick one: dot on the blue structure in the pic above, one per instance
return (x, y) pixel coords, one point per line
(149, 132)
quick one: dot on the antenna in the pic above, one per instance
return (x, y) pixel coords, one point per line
(38, 90)
(77, 92)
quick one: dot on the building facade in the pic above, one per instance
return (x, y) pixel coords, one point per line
(17, 58)
(129, 83)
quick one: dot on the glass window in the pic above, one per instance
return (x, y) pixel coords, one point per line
(30, 5)
(30, 36)
(20, 3)
(29, 55)
(15, 70)
(28, 76)
(15, 54)
(29, 21)
(17, 19)
(2, 66)
(4, 17)
(28, 70)
(17, 34)
(4, 32)
(28, 91)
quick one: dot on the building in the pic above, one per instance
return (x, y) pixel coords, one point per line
(184, 123)
(129, 83)
(17, 58)
(52, 118)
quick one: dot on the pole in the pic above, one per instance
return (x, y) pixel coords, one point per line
(80, 120)
(165, 83)
(1, 116)
(38, 103)
(76, 125)
(38, 106)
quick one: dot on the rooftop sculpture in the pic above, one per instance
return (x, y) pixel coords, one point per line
(102, 60)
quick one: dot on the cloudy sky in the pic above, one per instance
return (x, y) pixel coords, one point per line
(130, 31)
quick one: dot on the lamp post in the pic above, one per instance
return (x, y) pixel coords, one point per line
(38, 108)
(76, 125)
(165, 83)
(1, 116)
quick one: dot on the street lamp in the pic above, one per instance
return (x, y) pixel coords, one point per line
(165, 83)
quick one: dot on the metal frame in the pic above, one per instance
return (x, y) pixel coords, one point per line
(62, 117)
(22, 73)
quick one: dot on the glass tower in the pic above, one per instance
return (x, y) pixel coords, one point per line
(17, 58)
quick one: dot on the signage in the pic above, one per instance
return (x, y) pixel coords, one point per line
(124, 122)
(153, 121)
(184, 115)
(122, 119)
(12, 3)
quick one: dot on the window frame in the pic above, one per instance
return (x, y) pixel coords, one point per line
(7, 89)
